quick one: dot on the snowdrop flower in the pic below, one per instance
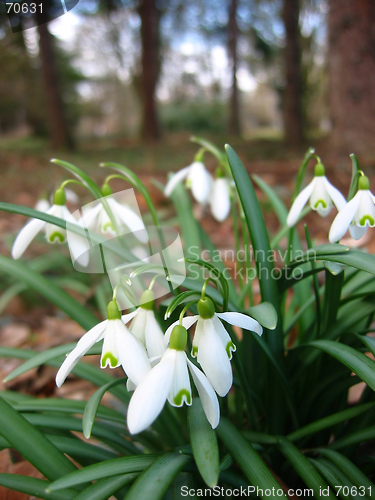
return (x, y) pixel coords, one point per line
(54, 234)
(212, 344)
(220, 198)
(145, 327)
(321, 194)
(42, 205)
(357, 215)
(170, 380)
(97, 218)
(197, 178)
(119, 347)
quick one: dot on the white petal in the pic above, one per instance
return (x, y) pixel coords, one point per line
(337, 198)
(130, 385)
(365, 215)
(151, 394)
(110, 356)
(56, 234)
(178, 177)
(343, 219)
(207, 395)
(299, 203)
(26, 235)
(130, 219)
(357, 232)
(154, 337)
(89, 215)
(200, 181)
(88, 340)
(220, 199)
(132, 354)
(199, 331)
(187, 322)
(138, 325)
(127, 317)
(241, 320)
(181, 390)
(214, 360)
(224, 336)
(78, 245)
(42, 205)
(320, 200)
(105, 223)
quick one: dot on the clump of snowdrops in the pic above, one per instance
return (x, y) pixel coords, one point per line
(234, 379)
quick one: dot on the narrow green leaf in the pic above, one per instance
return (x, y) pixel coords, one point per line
(78, 449)
(354, 438)
(123, 465)
(350, 470)
(330, 421)
(203, 443)
(332, 475)
(357, 362)
(34, 487)
(180, 299)
(188, 224)
(261, 245)
(247, 458)
(155, 481)
(265, 314)
(332, 294)
(104, 488)
(67, 406)
(81, 175)
(32, 444)
(278, 206)
(93, 403)
(49, 290)
(368, 341)
(301, 465)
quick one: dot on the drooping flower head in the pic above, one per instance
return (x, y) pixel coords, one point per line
(322, 196)
(170, 380)
(197, 179)
(98, 220)
(220, 196)
(54, 234)
(357, 215)
(145, 327)
(212, 344)
(120, 347)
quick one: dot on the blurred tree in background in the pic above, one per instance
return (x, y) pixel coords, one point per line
(352, 75)
(124, 69)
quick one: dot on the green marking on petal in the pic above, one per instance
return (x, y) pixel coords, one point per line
(194, 351)
(56, 236)
(113, 362)
(107, 225)
(365, 218)
(320, 202)
(230, 347)
(178, 399)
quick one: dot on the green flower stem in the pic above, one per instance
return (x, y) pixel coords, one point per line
(72, 181)
(182, 313)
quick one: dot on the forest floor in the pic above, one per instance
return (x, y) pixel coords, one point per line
(26, 175)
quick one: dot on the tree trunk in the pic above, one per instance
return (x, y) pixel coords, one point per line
(293, 120)
(234, 109)
(351, 26)
(59, 135)
(150, 39)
